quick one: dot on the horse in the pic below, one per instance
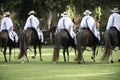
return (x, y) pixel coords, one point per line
(5, 42)
(111, 40)
(29, 37)
(62, 39)
(85, 38)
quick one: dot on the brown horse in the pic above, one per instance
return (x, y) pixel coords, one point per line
(62, 39)
(111, 40)
(5, 42)
(27, 38)
(85, 38)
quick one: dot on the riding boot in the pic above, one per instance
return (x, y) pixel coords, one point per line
(17, 44)
(73, 43)
(98, 41)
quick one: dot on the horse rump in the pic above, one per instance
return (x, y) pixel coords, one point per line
(85, 38)
(61, 39)
(111, 38)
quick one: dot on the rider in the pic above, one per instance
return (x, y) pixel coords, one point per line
(66, 23)
(114, 20)
(33, 22)
(7, 24)
(89, 22)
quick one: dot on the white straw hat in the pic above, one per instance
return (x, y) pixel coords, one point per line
(64, 14)
(31, 12)
(87, 12)
(115, 10)
(6, 14)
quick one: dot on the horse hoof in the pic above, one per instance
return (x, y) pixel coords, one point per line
(6, 61)
(78, 62)
(41, 59)
(33, 57)
(112, 61)
(54, 62)
(92, 57)
(119, 60)
(22, 62)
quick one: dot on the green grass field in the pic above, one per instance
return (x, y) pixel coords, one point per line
(37, 70)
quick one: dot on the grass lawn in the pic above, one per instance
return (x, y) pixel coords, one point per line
(37, 70)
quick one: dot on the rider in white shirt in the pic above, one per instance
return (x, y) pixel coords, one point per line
(33, 22)
(66, 23)
(89, 22)
(114, 20)
(7, 24)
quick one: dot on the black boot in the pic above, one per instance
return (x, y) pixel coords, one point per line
(16, 44)
(73, 43)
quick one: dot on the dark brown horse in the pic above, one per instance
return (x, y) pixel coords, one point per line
(85, 38)
(111, 40)
(5, 42)
(27, 38)
(62, 39)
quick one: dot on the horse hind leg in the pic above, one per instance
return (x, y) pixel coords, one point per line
(10, 54)
(112, 58)
(67, 55)
(40, 53)
(34, 52)
(64, 55)
(93, 55)
(26, 57)
(5, 54)
(5, 57)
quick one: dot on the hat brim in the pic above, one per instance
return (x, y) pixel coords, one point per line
(64, 15)
(87, 13)
(115, 11)
(31, 13)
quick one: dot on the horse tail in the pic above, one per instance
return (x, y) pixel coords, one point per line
(55, 55)
(56, 48)
(22, 46)
(0, 42)
(108, 47)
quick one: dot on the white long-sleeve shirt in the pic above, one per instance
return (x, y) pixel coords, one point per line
(66, 23)
(7, 24)
(89, 22)
(114, 20)
(32, 21)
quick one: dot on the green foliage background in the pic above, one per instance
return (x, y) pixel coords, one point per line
(42, 7)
